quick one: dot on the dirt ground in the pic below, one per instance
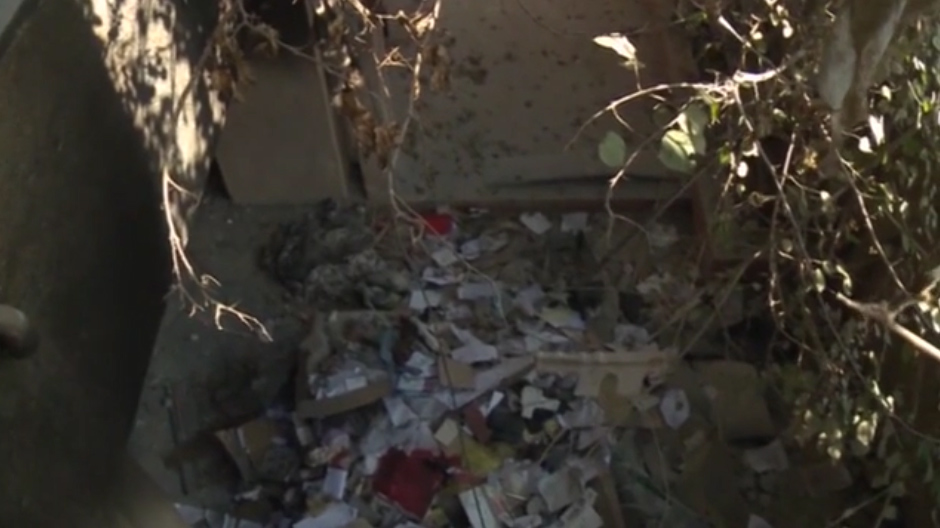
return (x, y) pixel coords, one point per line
(220, 374)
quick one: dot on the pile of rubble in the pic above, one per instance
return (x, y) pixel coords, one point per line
(491, 374)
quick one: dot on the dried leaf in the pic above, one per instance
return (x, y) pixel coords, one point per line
(877, 126)
(619, 44)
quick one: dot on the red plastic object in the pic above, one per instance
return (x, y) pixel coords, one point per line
(410, 480)
(438, 223)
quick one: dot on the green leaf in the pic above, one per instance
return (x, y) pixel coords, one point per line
(612, 150)
(694, 118)
(693, 121)
(889, 513)
(676, 150)
(897, 489)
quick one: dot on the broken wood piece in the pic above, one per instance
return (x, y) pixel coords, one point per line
(632, 371)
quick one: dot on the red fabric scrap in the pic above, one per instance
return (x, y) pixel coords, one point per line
(411, 480)
(438, 223)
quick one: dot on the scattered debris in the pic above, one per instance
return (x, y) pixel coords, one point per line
(471, 383)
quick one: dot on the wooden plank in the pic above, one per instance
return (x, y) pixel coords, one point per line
(281, 145)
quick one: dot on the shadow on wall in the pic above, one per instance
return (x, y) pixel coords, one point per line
(86, 93)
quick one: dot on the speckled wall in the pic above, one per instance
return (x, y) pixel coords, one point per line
(525, 76)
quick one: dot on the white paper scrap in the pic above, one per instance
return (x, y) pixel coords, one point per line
(475, 352)
(533, 398)
(675, 408)
(471, 249)
(398, 411)
(563, 318)
(536, 222)
(334, 485)
(335, 515)
(527, 299)
(477, 505)
(421, 300)
(438, 276)
(445, 257)
(471, 291)
(757, 522)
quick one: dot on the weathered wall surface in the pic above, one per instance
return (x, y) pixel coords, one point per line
(524, 80)
(82, 245)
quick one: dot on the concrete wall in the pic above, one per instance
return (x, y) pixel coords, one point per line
(82, 244)
(524, 79)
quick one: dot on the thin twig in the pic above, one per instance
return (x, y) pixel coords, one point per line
(888, 318)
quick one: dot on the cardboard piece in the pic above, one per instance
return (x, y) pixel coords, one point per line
(313, 350)
(455, 374)
(507, 372)
(311, 407)
(257, 450)
(247, 444)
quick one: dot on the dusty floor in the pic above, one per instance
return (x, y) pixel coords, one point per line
(225, 242)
